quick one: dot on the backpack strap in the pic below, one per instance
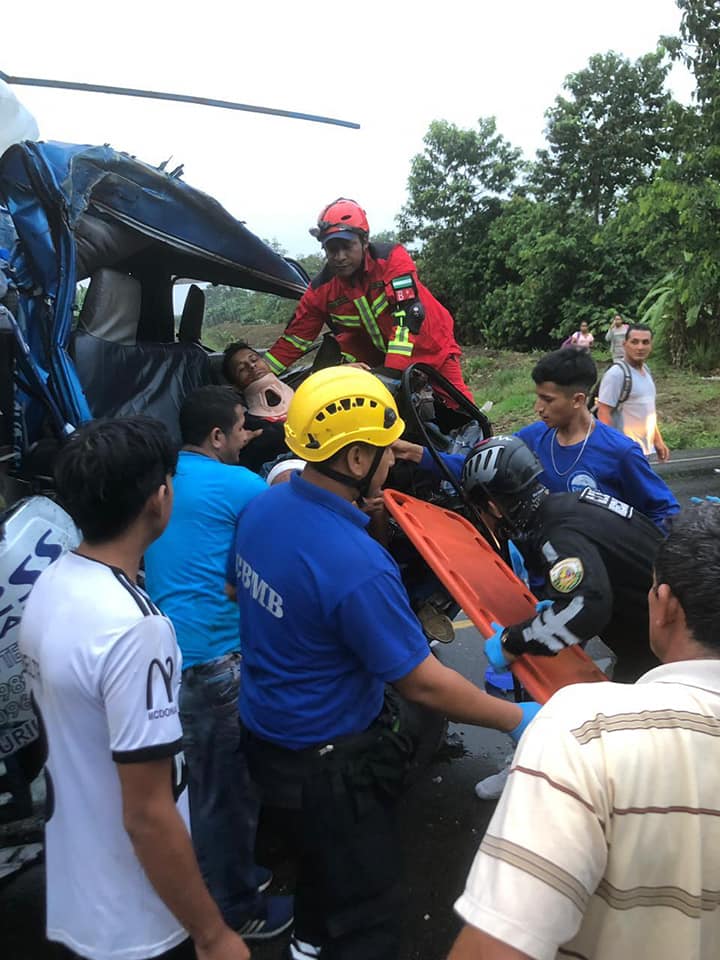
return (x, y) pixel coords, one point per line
(592, 401)
(627, 381)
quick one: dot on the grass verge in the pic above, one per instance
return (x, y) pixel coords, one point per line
(688, 404)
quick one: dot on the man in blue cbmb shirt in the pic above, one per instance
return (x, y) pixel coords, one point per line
(327, 625)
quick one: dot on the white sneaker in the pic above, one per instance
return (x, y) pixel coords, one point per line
(299, 950)
(491, 787)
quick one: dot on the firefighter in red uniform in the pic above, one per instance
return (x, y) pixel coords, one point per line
(370, 297)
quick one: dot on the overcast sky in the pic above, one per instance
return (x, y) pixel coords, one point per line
(392, 66)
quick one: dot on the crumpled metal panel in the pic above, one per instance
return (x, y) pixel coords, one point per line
(48, 187)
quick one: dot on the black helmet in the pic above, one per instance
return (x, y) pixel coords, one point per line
(505, 470)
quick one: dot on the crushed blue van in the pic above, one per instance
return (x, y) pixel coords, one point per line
(132, 232)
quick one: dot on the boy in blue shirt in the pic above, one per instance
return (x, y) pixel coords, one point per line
(578, 451)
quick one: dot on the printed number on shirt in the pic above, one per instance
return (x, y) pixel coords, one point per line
(609, 503)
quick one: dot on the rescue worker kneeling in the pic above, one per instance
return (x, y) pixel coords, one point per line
(328, 624)
(593, 552)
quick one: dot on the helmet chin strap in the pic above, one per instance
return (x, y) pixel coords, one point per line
(361, 484)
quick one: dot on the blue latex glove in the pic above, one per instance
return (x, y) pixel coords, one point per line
(529, 711)
(542, 605)
(494, 651)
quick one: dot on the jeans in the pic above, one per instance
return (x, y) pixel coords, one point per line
(224, 802)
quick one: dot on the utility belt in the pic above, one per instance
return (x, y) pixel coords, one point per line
(374, 761)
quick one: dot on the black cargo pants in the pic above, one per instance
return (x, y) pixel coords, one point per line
(349, 892)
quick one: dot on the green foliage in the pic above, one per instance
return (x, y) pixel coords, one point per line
(608, 136)
(230, 305)
(550, 275)
(621, 211)
(699, 49)
(677, 216)
(460, 175)
(457, 187)
(383, 236)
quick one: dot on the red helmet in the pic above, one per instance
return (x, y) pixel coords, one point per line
(343, 219)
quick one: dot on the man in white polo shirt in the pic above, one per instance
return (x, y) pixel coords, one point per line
(604, 843)
(122, 879)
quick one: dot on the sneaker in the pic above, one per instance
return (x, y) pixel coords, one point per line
(491, 787)
(264, 878)
(278, 917)
(437, 627)
(299, 950)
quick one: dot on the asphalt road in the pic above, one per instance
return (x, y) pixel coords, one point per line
(441, 819)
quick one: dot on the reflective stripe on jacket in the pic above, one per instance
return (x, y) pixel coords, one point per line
(361, 317)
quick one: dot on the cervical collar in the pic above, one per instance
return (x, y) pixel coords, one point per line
(268, 397)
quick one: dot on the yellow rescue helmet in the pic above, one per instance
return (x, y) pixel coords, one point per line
(339, 406)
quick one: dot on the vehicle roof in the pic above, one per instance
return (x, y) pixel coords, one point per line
(191, 235)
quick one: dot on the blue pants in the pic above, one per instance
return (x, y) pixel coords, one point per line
(224, 802)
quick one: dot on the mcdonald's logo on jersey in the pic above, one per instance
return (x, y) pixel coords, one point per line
(159, 685)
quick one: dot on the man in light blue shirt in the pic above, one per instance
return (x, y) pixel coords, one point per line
(185, 576)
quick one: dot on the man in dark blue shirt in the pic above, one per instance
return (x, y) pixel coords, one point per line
(326, 625)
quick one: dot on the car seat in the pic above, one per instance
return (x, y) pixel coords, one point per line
(122, 375)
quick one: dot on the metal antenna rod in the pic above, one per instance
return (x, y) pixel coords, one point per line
(178, 97)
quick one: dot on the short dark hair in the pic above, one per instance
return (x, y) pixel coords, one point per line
(228, 353)
(688, 561)
(107, 470)
(205, 409)
(570, 369)
(638, 326)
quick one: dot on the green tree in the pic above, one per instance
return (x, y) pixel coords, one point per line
(385, 236)
(312, 263)
(677, 217)
(676, 222)
(460, 175)
(550, 269)
(456, 188)
(608, 136)
(698, 47)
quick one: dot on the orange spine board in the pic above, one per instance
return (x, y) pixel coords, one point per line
(486, 588)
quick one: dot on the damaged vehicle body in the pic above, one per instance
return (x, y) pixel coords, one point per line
(132, 235)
